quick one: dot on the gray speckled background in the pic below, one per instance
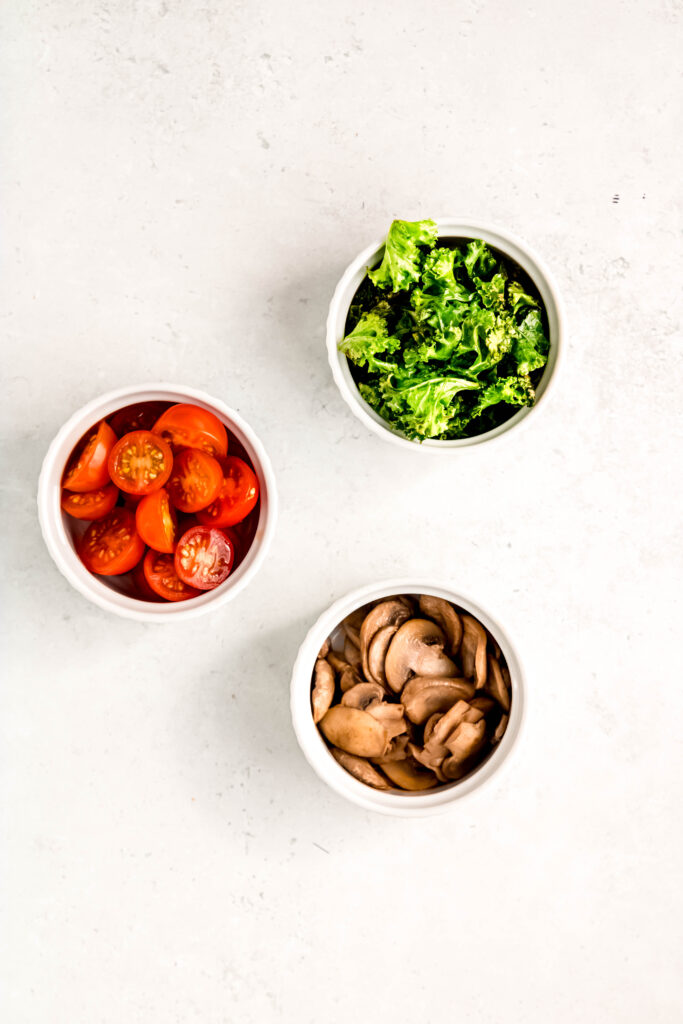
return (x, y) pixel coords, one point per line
(182, 185)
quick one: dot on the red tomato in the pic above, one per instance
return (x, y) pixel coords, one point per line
(156, 522)
(143, 590)
(87, 469)
(195, 481)
(238, 495)
(111, 546)
(204, 557)
(140, 462)
(90, 504)
(160, 574)
(140, 416)
(189, 426)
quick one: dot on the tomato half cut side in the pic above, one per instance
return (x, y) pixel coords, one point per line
(140, 462)
(139, 416)
(237, 497)
(156, 521)
(160, 573)
(87, 468)
(204, 557)
(111, 546)
(190, 426)
(195, 481)
(90, 504)
(143, 591)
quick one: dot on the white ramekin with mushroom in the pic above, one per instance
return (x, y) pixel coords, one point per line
(406, 696)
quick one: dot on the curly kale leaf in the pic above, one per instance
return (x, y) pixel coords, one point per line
(403, 254)
(368, 339)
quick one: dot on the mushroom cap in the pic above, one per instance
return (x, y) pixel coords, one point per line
(408, 774)
(377, 652)
(398, 750)
(360, 768)
(363, 694)
(473, 650)
(463, 743)
(387, 613)
(354, 731)
(445, 615)
(391, 717)
(323, 689)
(423, 696)
(495, 685)
(416, 650)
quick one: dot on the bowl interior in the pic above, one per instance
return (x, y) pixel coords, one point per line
(450, 231)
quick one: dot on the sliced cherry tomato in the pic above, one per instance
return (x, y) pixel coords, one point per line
(189, 426)
(195, 481)
(160, 573)
(90, 504)
(140, 462)
(238, 495)
(156, 521)
(140, 416)
(143, 591)
(204, 557)
(111, 546)
(87, 469)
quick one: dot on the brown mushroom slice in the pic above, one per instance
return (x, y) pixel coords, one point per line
(387, 613)
(336, 661)
(408, 774)
(352, 635)
(473, 650)
(354, 731)
(445, 615)
(416, 650)
(450, 721)
(495, 685)
(348, 679)
(429, 725)
(428, 756)
(360, 768)
(322, 653)
(424, 696)
(352, 653)
(377, 653)
(463, 743)
(484, 704)
(391, 717)
(398, 750)
(363, 694)
(499, 731)
(323, 689)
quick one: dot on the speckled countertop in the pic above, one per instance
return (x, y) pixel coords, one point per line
(182, 185)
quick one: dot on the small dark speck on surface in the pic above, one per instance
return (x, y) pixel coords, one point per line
(615, 197)
(264, 142)
(321, 848)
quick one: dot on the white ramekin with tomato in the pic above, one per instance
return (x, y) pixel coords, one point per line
(157, 502)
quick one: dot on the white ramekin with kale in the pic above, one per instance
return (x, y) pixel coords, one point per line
(444, 336)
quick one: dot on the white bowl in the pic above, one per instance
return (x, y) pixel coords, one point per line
(60, 530)
(315, 750)
(511, 246)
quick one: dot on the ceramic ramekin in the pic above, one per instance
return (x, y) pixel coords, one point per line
(315, 750)
(60, 531)
(513, 247)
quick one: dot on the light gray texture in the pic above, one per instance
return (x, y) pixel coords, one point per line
(182, 185)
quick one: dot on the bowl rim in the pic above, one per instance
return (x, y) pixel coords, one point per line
(518, 250)
(314, 748)
(59, 545)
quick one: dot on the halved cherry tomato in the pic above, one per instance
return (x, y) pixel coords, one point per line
(204, 557)
(143, 591)
(87, 469)
(111, 546)
(195, 481)
(162, 577)
(90, 504)
(140, 416)
(156, 521)
(140, 462)
(237, 497)
(189, 426)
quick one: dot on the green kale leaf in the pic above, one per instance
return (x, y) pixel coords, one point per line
(403, 255)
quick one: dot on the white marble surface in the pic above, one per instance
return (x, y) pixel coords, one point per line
(182, 184)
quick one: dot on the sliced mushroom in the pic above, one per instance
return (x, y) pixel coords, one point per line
(360, 769)
(354, 731)
(391, 717)
(495, 685)
(323, 689)
(351, 653)
(363, 694)
(322, 653)
(462, 743)
(429, 725)
(377, 653)
(446, 616)
(348, 679)
(500, 729)
(398, 750)
(473, 650)
(449, 722)
(416, 650)
(485, 704)
(424, 696)
(387, 613)
(336, 661)
(352, 635)
(430, 757)
(409, 775)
